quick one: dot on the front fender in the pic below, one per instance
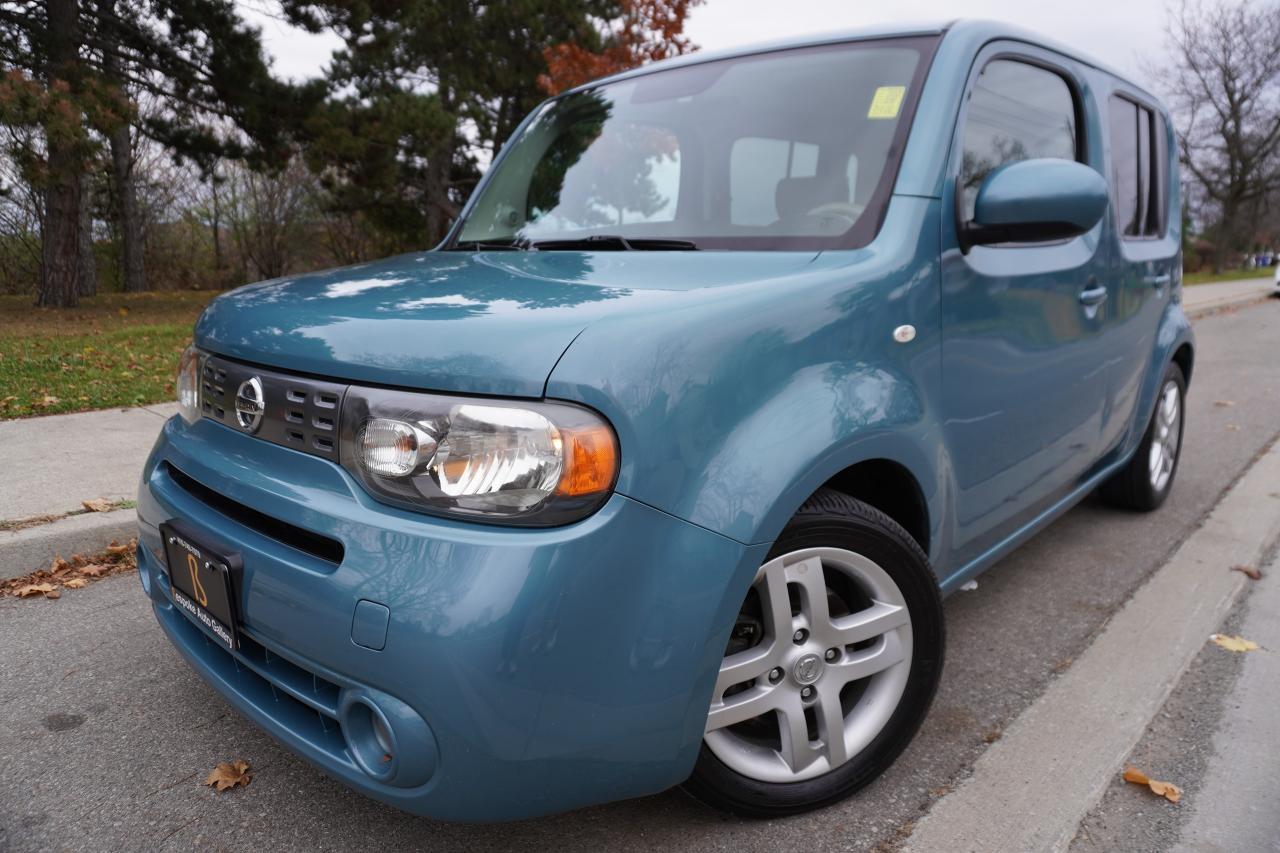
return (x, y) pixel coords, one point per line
(766, 468)
(733, 404)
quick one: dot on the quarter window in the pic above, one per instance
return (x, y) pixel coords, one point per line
(1139, 167)
(1017, 111)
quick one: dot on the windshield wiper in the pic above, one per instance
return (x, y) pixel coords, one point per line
(512, 244)
(613, 242)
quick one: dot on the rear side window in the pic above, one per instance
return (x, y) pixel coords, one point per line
(1139, 168)
(1017, 111)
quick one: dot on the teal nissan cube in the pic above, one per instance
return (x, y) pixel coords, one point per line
(657, 470)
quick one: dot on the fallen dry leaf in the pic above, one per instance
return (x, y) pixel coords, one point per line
(1251, 572)
(36, 589)
(97, 505)
(1168, 790)
(229, 774)
(1234, 644)
(73, 573)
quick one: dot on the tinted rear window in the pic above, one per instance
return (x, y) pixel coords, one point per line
(1139, 168)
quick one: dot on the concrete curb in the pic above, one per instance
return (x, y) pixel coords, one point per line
(1032, 788)
(23, 551)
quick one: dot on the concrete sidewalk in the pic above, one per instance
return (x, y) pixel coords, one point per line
(1034, 786)
(50, 465)
(1235, 807)
(1201, 299)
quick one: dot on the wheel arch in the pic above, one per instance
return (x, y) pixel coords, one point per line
(891, 488)
(892, 471)
(1184, 356)
(1175, 343)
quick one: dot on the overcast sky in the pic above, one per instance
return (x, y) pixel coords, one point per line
(1121, 33)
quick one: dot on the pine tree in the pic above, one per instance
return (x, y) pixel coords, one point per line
(71, 68)
(424, 85)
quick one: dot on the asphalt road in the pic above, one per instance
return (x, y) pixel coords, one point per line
(105, 735)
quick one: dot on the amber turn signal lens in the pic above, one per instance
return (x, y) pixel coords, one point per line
(591, 461)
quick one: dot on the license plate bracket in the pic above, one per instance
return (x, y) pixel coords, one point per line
(203, 579)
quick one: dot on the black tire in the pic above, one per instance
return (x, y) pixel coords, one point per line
(1131, 487)
(832, 519)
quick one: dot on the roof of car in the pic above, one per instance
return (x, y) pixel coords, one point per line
(977, 30)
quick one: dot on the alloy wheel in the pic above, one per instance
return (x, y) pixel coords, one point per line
(826, 660)
(1165, 436)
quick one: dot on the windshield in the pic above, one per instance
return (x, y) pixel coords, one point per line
(794, 149)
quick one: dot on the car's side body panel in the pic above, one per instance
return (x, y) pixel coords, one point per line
(1024, 383)
(826, 386)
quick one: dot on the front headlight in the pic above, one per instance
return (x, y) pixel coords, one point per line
(187, 385)
(525, 463)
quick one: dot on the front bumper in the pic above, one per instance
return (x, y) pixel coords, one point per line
(524, 671)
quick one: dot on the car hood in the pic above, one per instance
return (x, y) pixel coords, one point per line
(471, 322)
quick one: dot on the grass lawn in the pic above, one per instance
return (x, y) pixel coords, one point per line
(1226, 275)
(114, 350)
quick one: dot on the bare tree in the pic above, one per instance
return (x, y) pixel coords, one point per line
(21, 207)
(1224, 83)
(269, 215)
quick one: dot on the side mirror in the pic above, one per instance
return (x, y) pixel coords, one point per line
(1034, 201)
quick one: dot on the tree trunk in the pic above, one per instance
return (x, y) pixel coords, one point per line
(127, 214)
(87, 273)
(440, 208)
(219, 262)
(1223, 243)
(60, 250)
(131, 240)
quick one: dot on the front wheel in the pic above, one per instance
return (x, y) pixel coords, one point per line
(832, 664)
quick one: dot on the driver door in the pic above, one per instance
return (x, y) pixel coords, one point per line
(1024, 382)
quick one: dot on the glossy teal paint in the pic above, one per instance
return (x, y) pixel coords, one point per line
(738, 383)
(524, 651)
(1034, 192)
(484, 323)
(720, 420)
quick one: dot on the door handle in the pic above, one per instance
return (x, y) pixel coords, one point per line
(1159, 281)
(1093, 296)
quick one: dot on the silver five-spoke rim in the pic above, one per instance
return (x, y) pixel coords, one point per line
(1164, 437)
(817, 687)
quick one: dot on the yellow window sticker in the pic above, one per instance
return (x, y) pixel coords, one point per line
(886, 102)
